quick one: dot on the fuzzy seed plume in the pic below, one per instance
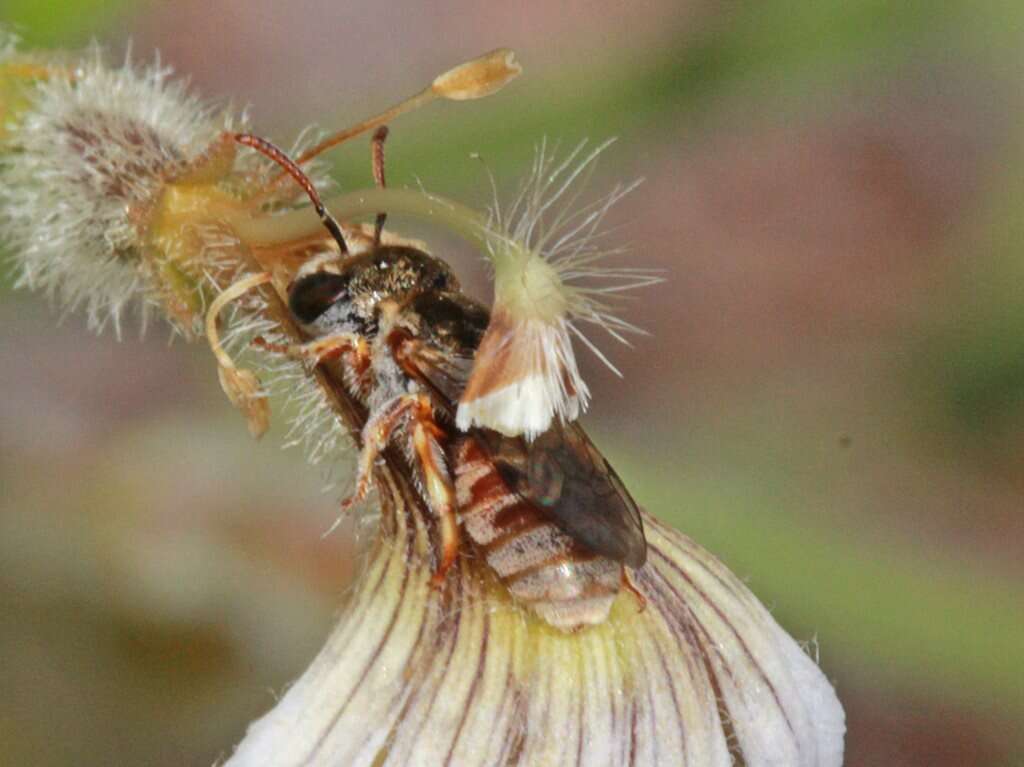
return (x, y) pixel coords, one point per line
(551, 279)
(82, 165)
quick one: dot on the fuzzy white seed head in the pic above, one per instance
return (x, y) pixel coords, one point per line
(84, 159)
(549, 279)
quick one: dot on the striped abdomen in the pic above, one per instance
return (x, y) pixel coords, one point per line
(543, 568)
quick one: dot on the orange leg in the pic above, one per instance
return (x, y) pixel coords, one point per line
(376, 435)
(437, 483)
(320, 350)
(355, 350)
(628, 583)
(441, 493)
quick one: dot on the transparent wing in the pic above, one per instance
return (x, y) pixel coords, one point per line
(564, 474)
(561, 471)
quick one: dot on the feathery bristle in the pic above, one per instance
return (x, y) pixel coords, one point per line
(547, 219)
(95, 145)
(550, 277)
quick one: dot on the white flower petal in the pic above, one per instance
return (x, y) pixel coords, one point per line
(411, 676)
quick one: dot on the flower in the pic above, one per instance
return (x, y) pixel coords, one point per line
(701, 675)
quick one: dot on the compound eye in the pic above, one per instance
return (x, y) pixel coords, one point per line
(314, 294)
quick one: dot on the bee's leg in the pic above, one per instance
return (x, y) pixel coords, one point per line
(437, 482)
(376, 435)
(439, 487)
(628, 583)
(320, 350)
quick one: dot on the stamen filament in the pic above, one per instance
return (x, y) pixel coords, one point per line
(232, 293)
(413, 102)
(365, 204)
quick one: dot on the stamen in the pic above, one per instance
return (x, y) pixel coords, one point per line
(232, 293)
(241, 386)
(472, 80)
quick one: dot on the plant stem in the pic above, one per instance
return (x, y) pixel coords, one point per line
(287, 227)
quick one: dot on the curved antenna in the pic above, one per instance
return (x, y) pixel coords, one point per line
(267, 149)
(377, 159)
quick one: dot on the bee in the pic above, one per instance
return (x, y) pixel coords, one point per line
(549, 516)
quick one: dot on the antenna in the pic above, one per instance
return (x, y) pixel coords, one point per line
(267, 149)
(377, 158)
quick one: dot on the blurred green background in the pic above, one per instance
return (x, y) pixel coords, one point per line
(832, 397)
